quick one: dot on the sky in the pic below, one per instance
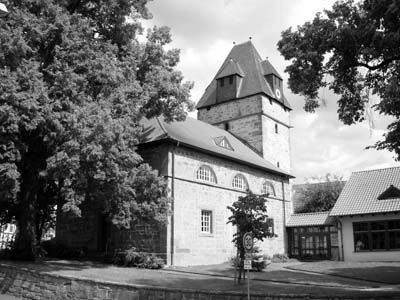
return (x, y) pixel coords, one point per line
(204, 31)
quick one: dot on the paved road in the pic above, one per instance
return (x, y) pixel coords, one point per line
(6, 297)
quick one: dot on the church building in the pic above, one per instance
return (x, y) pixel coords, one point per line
(239, 142)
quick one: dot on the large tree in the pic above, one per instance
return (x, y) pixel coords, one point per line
(353, 49)
(74, 83)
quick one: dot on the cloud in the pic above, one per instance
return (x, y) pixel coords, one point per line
(205, 30)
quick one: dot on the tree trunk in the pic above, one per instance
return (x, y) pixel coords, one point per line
(25, 247)
(241, 265)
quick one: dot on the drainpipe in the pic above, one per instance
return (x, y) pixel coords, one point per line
(284, 218)
(172, 202)
(340, 227)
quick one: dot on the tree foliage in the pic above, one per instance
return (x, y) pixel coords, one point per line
(320, 196)
(353, 49)
(74, 83)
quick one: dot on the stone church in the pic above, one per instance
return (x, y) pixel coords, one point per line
(240, 141)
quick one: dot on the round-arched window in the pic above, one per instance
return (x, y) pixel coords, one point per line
(268, 188)
(240, 182)
(205, 173)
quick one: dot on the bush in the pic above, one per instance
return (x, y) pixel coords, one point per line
(54, 249)
(133, 258)
(279, 258)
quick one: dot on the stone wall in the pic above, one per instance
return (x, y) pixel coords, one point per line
(28, 284)
(254, 119)
(146, 237)
(190, 245)
(94, 234)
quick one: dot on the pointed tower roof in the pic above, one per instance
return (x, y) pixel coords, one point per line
(247, 63)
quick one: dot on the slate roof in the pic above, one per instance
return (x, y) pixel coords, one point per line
(253, 68)
(201, 136)
(361, 192)
(230, 68)
(310, 219)
(268, 68)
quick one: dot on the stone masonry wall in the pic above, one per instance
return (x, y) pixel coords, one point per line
(227, 111)
(94, 234)
(254, 119)
(145, 237)
(191, 246)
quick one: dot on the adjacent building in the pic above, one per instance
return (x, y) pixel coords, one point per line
(363, 225)
(368, 216)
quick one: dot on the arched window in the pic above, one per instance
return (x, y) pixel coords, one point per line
(205, 173)
(240, 182)
(268, 188)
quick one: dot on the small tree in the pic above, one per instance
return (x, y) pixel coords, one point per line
(249, 214)
(321, 196)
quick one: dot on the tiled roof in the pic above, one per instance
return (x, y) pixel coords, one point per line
(310, 219)
(253, 68)
(201, 136)
(230, 68)
(361, 192)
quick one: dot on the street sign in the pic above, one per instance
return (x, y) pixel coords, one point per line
(248, 241)
(247, 264)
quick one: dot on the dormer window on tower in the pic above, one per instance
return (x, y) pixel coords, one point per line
(273, 78)
(228, 81)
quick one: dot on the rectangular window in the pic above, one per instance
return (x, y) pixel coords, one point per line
(270, 226)
(206, 221)
(276, 128)
(231, 79)
(222, 82)
(376, 235)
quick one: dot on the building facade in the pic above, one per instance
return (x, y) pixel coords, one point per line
(368, 216)
(240, 142)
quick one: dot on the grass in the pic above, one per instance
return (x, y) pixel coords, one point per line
(378, 272)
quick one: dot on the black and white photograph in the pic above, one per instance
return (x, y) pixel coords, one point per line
(202, 150)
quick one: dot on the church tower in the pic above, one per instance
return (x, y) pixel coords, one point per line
(246, 98)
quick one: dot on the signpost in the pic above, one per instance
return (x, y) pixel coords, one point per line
(248, 244)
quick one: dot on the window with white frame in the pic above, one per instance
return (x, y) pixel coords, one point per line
(240, 182)
(205, 173)
(268, 188)
(206, 221)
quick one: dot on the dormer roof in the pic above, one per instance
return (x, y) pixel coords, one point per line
(269, 69)
(231, 67)
(247, 61)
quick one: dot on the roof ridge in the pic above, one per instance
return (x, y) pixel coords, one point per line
(257, 57)
(312, 213)
(162, 126)
(394, 167)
